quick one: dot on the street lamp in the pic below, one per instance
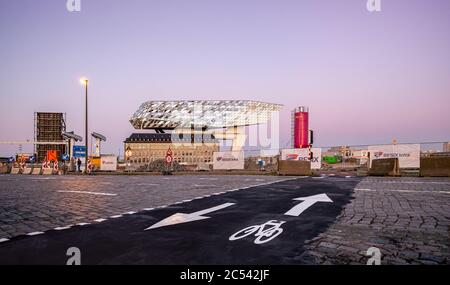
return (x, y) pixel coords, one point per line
(84, 81)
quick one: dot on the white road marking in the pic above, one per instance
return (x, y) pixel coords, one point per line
(3, 239)
(99, 220)
(147, 184)
(116, 216)
(34, 233)
(130, 213)
(87, 192)
(83, 224)
(179, 218)
(63, 228)
(148, 209)
(307, 202)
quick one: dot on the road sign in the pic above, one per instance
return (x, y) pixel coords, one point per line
(169, 157)
(52, 155)
(179, 218)
(65, 157)
(79, 151)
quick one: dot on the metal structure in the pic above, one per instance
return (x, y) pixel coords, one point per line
(98, 139)
(201, 114)
(48, 128)
(72, 138)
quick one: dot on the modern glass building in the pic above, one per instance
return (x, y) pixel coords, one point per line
(201, 114)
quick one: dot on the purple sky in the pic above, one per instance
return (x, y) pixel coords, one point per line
(367, 77)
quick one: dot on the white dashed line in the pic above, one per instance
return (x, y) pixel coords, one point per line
(83, 224)
(148, 209)
(129, 213)
(34, 233)
(99, 220)
(87, 192)
(116, 216)
(3, 239)
(63, 228)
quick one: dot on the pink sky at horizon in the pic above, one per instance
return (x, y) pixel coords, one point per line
(366, 77)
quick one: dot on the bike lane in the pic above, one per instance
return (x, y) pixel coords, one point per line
(260, 225)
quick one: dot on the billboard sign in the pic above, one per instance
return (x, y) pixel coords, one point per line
(228, 160)
(303, 154)
(79, 151)
(408, 154)
(108, 163)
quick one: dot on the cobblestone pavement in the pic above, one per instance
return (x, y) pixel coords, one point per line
(35, 203)
(408, 219)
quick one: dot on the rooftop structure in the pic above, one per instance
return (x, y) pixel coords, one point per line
(204, 114)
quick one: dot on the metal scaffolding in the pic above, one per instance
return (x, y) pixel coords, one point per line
(48, 127)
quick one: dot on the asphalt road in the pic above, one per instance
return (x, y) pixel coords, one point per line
(125, 240)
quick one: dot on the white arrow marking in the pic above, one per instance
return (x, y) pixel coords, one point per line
(179, 218)
(307, 202)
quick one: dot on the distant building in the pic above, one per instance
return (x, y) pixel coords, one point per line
(148, 147)
(446, 147)
(339, 150)
(48, 127)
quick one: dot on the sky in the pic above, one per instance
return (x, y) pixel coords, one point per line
(366, 77)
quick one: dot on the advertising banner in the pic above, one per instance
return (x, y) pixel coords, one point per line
(228, 160)
(303, 154)
(108, 163)
(408, 154)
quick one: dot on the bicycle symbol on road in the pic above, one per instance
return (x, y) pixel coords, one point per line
(263, 232)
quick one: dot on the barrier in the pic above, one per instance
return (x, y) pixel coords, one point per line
(4, 169)
(26, 170)
(385, 167)
(36, 171)
(47, 171)
(435, 166)
(294, 167)
(15, 170)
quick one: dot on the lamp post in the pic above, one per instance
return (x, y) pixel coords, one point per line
(84, 81)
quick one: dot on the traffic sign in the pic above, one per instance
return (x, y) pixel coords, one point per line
(79, 151)
(169, 157)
